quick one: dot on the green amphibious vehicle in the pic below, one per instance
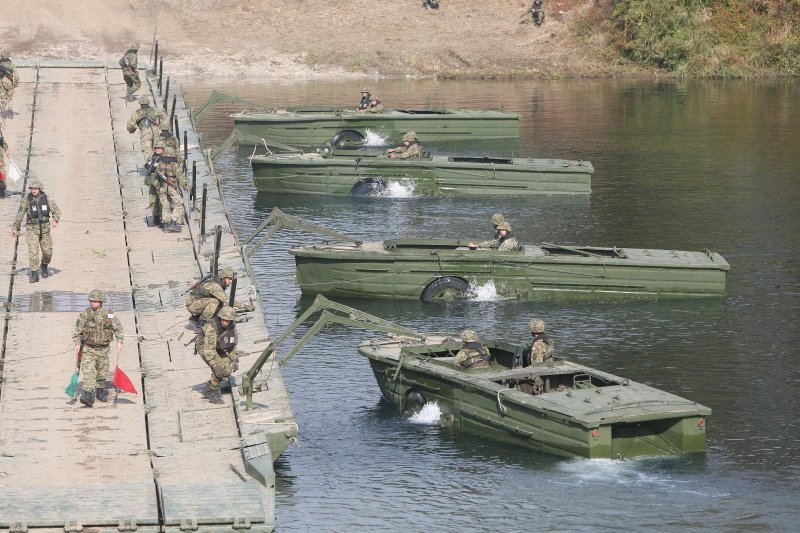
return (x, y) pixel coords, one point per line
(445, 268)
(309, 125)
(347, 172)
(556, 407)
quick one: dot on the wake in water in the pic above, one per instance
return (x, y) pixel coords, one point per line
(428, 415)
(484, 293)
(398, 189)
(374, 138)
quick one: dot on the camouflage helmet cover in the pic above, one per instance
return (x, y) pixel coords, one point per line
(226, 273)
(536, 325)
(410, 136)
(469, 335)
(134, 46)
(504, 225)
(227, 313)
(497, 218)
(5, 53)
(364, 90)
(144, 100)
(97, 296)
(35, 185)
(158, 143)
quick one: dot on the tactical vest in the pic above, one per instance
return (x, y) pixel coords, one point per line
(38, 209)
(98, 329)
(148, 118)
(551, 346)
(201, 292)
(226, 337)
(480, 359)
(364, 103)
(165, 165)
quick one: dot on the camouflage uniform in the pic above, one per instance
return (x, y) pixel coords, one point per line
(414, 149)
(377, 108)
(542, 347)
(169, 194)
(502, 244)
(37, 212)
(3, 175)
(9, 80)
(148, 120)
(170, 141)
(365, 98)
(94, 331)
(508, 244)
(208, 297)
(216, 345)
(472, 354)
(130, 73)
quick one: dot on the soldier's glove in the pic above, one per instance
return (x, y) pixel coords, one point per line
(235, 360)
(246, 306)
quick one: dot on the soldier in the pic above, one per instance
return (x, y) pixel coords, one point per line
(365, 98)
(170, 141)
(542, 347)
(9, 80)
(411, 147)
(472, 354)
(170, 183)
(130, 73)
(216, 344)
(375, 106)
(4, 152)
(537, 12)
(94, 330)
(148, 120)
(208, 296)
(152, 181)
(508, 242)
(493, 243)
(41, 213)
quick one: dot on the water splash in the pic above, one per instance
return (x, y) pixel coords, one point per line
(373, 138)
(429, 414)
(484, 293)
(398, 189)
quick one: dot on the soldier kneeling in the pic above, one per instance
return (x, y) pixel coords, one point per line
(216, 344)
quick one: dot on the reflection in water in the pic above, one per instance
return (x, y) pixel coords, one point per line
(679, 165)
(61, 301)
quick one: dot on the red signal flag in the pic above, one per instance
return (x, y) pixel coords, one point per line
(122, 382)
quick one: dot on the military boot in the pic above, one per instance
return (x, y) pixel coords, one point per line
(87, 398)
(213, 395)
(102, 395)
(174, 227)
(33, 275)
(45, 272)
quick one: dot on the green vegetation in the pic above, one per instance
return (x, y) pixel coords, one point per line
(714, 38)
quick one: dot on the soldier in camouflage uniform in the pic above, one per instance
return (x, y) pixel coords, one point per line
(375, 106)
(472, 353)
(40, 214)
(494, 243)
(508, 242)
(9, 80)
(4, 152)
(216, 345)
(130, 73)
(153, 182)
(365, 98)
(542, 347)
(170, 141)
(208, 297)
(148, 120)
(169, 191)
(95, 328)
(411, 147)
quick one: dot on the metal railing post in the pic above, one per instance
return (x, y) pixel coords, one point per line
(203, 214)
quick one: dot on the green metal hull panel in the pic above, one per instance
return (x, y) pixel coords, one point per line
(314, 174)
(617, 418)
(318, 126)
(378, 270)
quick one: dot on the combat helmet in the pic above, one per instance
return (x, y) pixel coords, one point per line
(144, 100)
(97, 296)
(227, 313)
(497, 218)
(504, 225)
(5, 53)
(158, 142)
(536, 325)
(226, 273)
(134, 46)
(469, 335)
(364, 90)
(35, 185)
(410, 136)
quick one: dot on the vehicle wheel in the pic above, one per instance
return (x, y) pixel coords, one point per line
(343, 138)
(415, 401)
(368, 187)
(446, 288)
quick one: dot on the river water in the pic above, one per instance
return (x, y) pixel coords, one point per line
(683, 165)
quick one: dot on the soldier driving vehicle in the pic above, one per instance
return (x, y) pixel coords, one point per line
(411, 147)
(216, 345)
(40, 213)
(494, 242)
(365, 98)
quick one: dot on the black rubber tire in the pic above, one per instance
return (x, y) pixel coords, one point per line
(368, 187)
(446, 288)
(346, 137)
(415, 401)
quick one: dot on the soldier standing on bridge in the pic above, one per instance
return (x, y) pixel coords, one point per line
(216, 344)
(130, 73)
(148, 120)
(170, 184)
(95, 328)
(4, 152)
(9, 79)
(40, 213)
